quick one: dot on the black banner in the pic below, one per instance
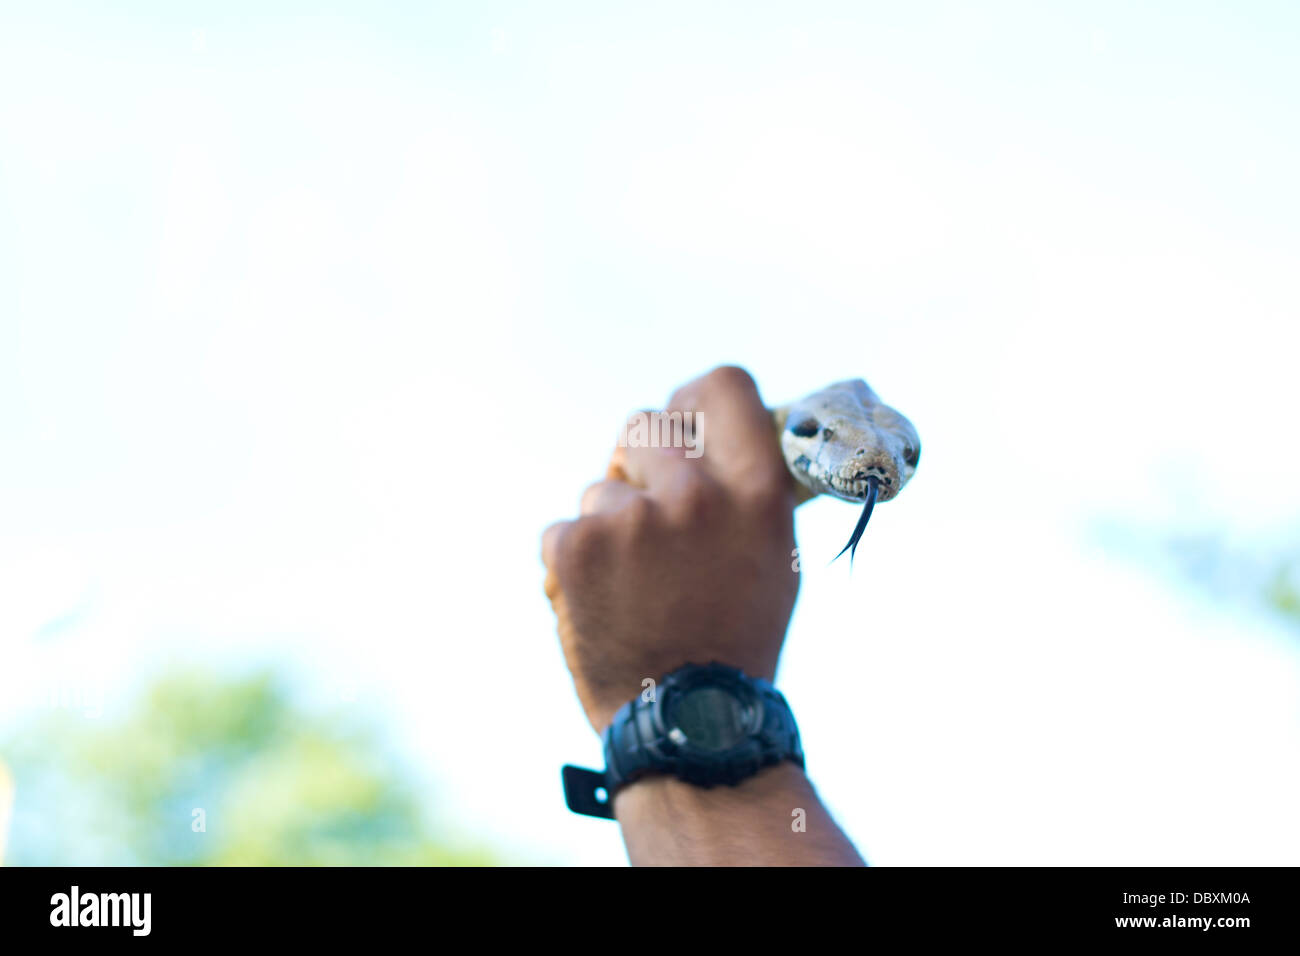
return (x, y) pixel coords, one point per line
(1228, 906)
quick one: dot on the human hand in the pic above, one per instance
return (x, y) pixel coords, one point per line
(677, 558)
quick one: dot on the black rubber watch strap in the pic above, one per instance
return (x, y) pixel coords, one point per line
(584, 790)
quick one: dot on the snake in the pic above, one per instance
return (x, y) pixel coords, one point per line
(843, 441)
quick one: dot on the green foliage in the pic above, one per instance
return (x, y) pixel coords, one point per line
(277, 786)
(1283, 591)
(1262, 576)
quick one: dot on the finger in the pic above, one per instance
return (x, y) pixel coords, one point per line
(650, 452)
(551, 541)
(607, 496)
(733, 428)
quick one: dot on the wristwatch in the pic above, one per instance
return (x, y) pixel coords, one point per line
(705, 724)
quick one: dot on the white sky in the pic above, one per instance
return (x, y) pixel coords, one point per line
(310, 323)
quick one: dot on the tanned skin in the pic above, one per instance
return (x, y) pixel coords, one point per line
(677, 559)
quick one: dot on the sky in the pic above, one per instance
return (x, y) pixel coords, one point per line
(311, 320)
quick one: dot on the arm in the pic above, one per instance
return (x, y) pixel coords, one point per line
(675, 559)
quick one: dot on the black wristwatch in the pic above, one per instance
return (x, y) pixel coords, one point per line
(704, 723)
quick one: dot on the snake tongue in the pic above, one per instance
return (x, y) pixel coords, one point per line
(852, 547)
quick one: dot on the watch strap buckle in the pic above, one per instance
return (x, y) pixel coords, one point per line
(581, 792)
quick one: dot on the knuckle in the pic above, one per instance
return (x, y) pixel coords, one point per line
(638, 516)
(696, 497)
(721, 378)
(730, 377)
(684, 397)
(590, 495)
(581, 547)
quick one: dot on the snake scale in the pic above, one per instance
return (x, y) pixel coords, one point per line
(843, 441)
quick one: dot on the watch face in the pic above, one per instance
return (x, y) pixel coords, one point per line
(713, 718)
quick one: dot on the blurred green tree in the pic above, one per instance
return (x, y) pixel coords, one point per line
(1283, 590)
(1261, 576)
(216, 772)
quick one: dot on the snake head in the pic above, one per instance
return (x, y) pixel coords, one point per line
(843, 439)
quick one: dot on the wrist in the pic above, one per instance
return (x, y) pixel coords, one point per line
(666, 796)
(772, 818)
(708, 769)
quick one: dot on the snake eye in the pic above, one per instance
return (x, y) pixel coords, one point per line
(805, 428)
(911, 454)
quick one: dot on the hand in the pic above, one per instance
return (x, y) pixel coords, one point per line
(678, 558)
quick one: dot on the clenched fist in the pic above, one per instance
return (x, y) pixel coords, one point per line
(678, 556)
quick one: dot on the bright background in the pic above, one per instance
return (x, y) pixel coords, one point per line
(311, 320)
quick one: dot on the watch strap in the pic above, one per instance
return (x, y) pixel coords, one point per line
(585, 792)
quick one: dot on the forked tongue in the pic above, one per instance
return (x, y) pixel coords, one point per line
(872, 484)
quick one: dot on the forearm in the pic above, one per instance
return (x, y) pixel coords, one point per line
(670, 823)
